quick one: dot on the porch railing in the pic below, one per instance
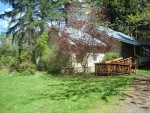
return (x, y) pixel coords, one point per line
(121, 66)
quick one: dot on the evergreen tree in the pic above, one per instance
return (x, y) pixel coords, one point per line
(128, 16)
(29, 17)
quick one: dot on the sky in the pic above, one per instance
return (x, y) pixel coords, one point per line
(4, 23)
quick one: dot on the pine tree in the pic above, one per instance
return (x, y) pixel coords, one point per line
(29, 17)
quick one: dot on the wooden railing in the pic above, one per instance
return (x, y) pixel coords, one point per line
(116, 66)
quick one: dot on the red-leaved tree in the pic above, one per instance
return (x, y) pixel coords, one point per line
(81, 35)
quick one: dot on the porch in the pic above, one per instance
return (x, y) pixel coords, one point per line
(143, 60)
(140, 53)
(116, 67)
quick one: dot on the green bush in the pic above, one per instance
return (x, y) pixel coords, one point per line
(24, 55)
(110, 56)
(27, 68)
(53, 71)
(7, 60)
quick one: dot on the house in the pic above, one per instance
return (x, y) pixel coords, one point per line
(130, 47)
(75, 37)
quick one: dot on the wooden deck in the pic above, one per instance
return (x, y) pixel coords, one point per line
(116, 67)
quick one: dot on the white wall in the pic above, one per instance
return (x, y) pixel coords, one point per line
(91, 62)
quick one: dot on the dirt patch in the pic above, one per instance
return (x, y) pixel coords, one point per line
(138, 100)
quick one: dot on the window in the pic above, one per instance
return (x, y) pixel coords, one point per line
(145, 51)
(94, 57)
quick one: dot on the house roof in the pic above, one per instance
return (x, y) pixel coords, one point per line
(120, 36)
(75, 34)
(78, 34)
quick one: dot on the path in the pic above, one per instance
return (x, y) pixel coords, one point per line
(138, 100)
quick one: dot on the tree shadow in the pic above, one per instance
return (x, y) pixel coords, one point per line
(82, 88)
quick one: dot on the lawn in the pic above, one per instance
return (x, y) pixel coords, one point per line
(43, 93)
(144, 71)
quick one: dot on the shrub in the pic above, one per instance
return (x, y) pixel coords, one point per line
(24, 55)
(27, 67)
(51, 55)
(110, 56)
(7, 60)
(53, 71)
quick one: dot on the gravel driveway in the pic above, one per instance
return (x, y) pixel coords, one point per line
(138, 100)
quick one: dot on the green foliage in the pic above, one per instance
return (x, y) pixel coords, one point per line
(51, 55)
(57, 60)
(139, 17)
(110, 56)
(27, 68)
(43, 50)
(4, 60)
(8, 52)
(8, 60)
(32, 23)
(140, 22)
(44, 46)
(53, 70)
(128, 16)
(24, 55)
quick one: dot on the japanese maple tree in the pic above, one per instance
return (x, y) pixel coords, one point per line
(81, 35)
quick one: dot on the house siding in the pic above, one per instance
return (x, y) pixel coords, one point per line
(91, 63)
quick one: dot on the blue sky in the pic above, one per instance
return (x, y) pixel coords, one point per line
(4, 23)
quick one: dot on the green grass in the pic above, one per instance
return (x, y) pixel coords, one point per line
(144, 71)
(42, 93)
